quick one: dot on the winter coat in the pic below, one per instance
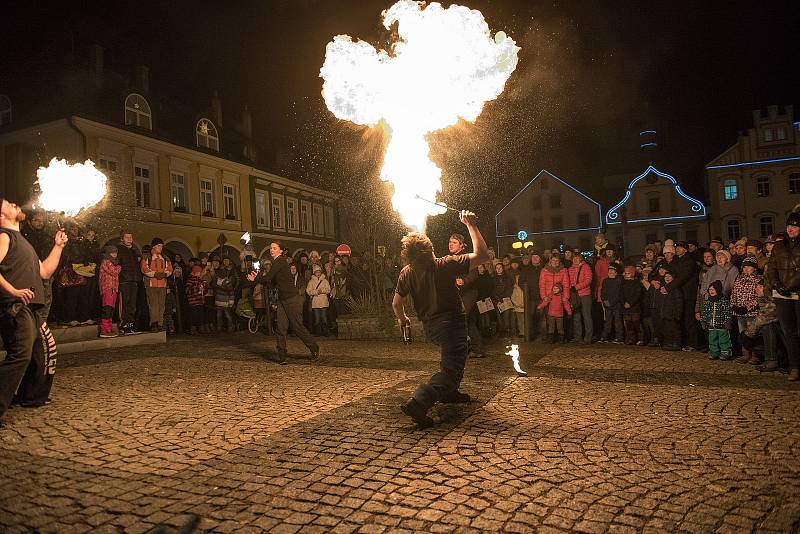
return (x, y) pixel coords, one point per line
(670, 306)
(727, 275)
(557, 306)
(743, 297)
(717, 313)
(782, 266)
(151, 265)
(550, 277)
(109, 276)
(611, 292)
(129, 259)
(600, 274)
(195, 290)
(529, 276)
(503, 287)
(225, 282)
(633, 295)
(767, 314)
(318, 289)
(485, 286)
(580, 278)
(684, 271)
(518, 299)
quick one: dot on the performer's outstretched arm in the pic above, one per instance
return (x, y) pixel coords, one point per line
(481, 253)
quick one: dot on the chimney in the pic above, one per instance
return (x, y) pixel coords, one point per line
(143, 78)
(96, 64)
(216, 110)
(247, 122)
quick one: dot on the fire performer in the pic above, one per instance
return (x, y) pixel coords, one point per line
(290, 303)
(21, 274)
(431, 282)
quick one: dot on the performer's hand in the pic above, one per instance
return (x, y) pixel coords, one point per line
(60, 239)
(25, 295)
(467, 218)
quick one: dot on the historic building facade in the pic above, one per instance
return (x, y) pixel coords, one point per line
(755, 183)
(548, 212)
(653, 207)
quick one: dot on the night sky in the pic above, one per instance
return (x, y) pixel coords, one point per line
(589, 78)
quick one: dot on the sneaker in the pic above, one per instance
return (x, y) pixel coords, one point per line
(456, 397)
(617, 342)
(640, 343)
(416, 413)
(602, 340)
(107, 334)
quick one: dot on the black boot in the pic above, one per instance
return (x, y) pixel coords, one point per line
(416, 413)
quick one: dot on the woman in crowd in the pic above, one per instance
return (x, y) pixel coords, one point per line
(503, 289)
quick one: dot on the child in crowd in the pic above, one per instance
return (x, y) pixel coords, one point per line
(195, 296)
(109, 288)
(716, 317)
(518, 299)
(632, 296)
(557, 306)
(318, 289)
(611, 296)
(765, 325)
(744, 300)
(670, 309)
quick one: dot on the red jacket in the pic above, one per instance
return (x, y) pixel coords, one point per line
(547, 279)
(109, 276)
(580, 277)
(557, 307)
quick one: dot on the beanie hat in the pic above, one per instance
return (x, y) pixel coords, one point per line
(668, 248)
(669, 243)
(717, 285)
(681, 244)
(794, 217)
(717, 240)
(110, 249)
(755, 243)
(316, 268)
(742, 242)
(156, 241)
(725, 253)
(751, 261)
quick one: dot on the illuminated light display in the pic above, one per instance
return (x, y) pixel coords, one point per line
(522, 235)
(647, 144)
(613, 216)
(746, 163)
(646, 132)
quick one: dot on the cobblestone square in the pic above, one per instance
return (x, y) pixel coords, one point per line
(595, 439)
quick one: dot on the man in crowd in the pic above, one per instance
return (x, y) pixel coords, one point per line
(156, 268)
(468, 290)
(580, 279)
(290, 303)
(431, 283)
(684, 270)
(129, 277)
(21, 296)
(42, 242)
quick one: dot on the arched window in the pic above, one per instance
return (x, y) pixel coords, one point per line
(137, 112)
(734, 230)
(766, 225)
(730, 190)
(207, 136)
(5, 110)
(763, 186)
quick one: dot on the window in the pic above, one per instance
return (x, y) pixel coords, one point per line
(780, 134)
(729, 189)
(316, 218)
(108, 165)
(654, 204)
(291, 214)
(143, 187)
(305, 216)
(766, 225)
(555, 201)
(277, 211)
(207, 207)
(762, 186)
(734, 230)
(556, 222)
(178, 190)
(584, 221)
(137, 112)
(5, 110)
(261, 208)
(329, 226)
(794, 182)
(229, 200)
(545, 185)
(768, 134)
(537, 202)
(207, 136)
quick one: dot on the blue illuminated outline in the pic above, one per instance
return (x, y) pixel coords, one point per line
(696, 206)
(647, 144)
(645, 132)
(761, 162)
(593, 229)
(548, 173)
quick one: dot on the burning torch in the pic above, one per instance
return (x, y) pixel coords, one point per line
(67, 189)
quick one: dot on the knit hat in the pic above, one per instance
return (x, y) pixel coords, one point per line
(669, 243)
(717, 240)
(717, 285)
(616, 266)
(156, 241)
(110, 249)
(316, 268)
(668, 248)
(725, 253)
(755, 243)
(681, 244)
(742, 242)
(751, 261)
(773, 238)
(794, 217)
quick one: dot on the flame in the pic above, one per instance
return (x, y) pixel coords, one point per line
(514, 353)
(69, 188)
(444, 67)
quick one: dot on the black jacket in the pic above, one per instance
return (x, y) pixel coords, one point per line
(281, 278)
(684, 272)
(783, 268)
(632, 293)
(612, 292)
(670, 306)
(129, 260)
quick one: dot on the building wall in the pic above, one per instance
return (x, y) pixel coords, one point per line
(551, 212)
(763, 168)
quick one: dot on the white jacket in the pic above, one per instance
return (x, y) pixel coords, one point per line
(319, 289)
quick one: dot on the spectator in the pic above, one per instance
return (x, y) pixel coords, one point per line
(670, 307)
(716, 317)
(600, 274)
(600, 245)
(518, 300)
(109, 288)
(611, 297)
(685, 271)
(554, 273)
(783, 283)
(225, 283)
(318, 289)
(716, 244)
(632, 296)
(744, 301)
(724, 272)
(580, 279)
(503, 288)
(755, 248)
(740, 252)
(156, 269)
(129, 277)
(556, 306)
(195, 297)
(73, 279)
(485, 286)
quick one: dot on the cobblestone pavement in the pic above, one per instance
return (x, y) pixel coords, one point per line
(595, 439)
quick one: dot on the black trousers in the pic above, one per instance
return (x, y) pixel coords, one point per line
(128, 294)
(20, 335)
(449, 332)
(290, 313)
(691, 327)
(75, 303)
(672, 332)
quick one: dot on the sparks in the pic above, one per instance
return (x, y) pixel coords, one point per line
(256, 266)
(68, 189)
(245, 238)
(444, 67)
(514, 353)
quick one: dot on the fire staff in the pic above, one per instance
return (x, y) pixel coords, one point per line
(21, 295)
(431, 282)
